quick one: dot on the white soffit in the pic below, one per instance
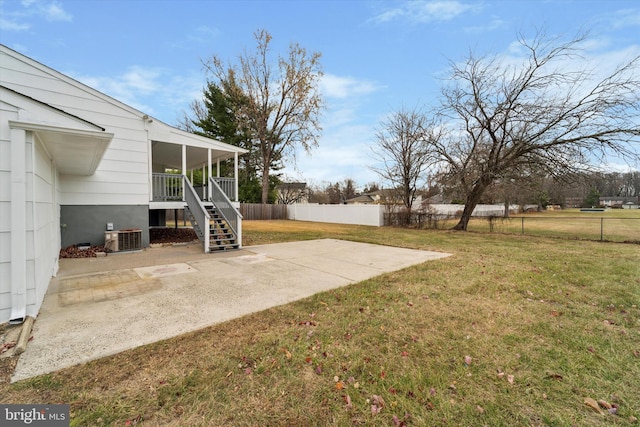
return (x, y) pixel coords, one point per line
(74, 151)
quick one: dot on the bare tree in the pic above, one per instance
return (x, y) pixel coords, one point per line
(283, 103)
(503, 117)
(403, 149)
(292, 192)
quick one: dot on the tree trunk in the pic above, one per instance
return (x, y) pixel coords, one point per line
(506, 209)
(470, 204)
(265, 185)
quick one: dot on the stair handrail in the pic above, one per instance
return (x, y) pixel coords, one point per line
(198, 210)
(229, 212)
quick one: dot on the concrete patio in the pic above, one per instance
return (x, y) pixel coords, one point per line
(96, 307)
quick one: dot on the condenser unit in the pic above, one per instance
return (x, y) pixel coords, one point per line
(123, 240)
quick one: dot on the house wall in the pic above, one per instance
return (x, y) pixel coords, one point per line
(43, 226)
(87, 223)
(29, 243)
(122, 177)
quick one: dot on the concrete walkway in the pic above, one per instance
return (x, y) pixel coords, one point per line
(101, 306)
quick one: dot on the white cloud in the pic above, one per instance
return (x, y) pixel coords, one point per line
(494, 24)
(333, 86)
(426, 11)
(19, 15)
(131, 87)
(623, 18)
(150, 90)
(54, 12)
(343, 152)
(13, 25)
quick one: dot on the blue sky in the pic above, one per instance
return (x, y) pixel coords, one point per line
(378, 56)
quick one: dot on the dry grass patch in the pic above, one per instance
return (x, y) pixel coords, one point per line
(509, 330)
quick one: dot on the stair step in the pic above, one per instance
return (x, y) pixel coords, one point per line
(214, 248)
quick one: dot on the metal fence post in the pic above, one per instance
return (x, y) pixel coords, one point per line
(523, 226)
(601, 229)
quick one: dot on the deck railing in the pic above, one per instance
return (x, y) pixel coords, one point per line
(168, 187)
(228, 186)
(199, 212)
(222, 203)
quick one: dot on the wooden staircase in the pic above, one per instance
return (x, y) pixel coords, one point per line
(221, 235)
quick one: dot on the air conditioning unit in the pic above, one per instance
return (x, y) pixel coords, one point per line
(123, 240)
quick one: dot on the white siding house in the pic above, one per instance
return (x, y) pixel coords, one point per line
(73, 159)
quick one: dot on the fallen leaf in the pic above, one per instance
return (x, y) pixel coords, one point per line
(591, 403)
(510, 378)
(480, 409)
(339, 385)
(347, 401)
(377, 400)
(604, 404)
(375, 410)
(467, 360)
(555, 377)
(432, 391)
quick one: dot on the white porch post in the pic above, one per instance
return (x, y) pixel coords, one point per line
(235, 173)
(204, 183)
(210, 171)
(184, 168)
(184, 160)
(218, 168)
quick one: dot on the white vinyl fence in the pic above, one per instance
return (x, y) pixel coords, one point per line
(373, 214)
(340, 214)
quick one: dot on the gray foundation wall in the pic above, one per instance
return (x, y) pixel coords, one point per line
(87, 224)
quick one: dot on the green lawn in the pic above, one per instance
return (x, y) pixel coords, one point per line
(511, 330)
(616, 225)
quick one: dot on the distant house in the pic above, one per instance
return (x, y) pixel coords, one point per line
(292, 192)
(620, 202)
(363, 199)
(75, 163)
(388, 197)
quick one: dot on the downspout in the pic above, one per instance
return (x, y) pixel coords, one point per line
(18, 228)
